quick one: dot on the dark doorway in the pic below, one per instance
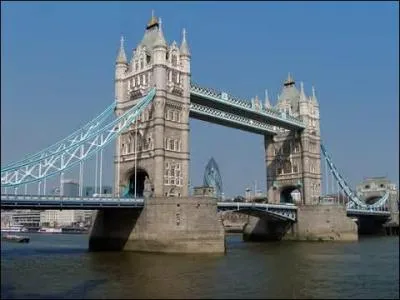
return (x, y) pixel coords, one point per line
(140, 178)
(286, 194)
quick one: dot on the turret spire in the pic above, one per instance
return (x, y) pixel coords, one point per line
(121, 58)
(267, 102)
(160, 40)
(289, 81)
(184, 46)
(302, 93)
(153, 21)
(314, 97)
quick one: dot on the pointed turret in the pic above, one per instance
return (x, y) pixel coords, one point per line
(303, 97)
(289, 81)
(121, 58)
(184, 46)
(313, 97)
(160, 40)
(267, 103)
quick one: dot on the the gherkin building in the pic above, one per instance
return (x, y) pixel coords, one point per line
(213, 178)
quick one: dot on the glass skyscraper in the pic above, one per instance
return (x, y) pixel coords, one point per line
(212, 177)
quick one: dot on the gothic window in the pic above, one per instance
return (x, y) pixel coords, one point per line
(166, 56)
(136, 66)
(287, 167)
(174, 60)
(170, 115)
(141, 64)
(286, 148)
(144, 79)
(129, 145)
(174, 75)
(171, 145)
(295, 169)
(296, 147)
(176, 145)
(177, 77)
(172, 170)
(148, 58)
(278, 171)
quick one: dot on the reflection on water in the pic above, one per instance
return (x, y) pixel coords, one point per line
(59, 266)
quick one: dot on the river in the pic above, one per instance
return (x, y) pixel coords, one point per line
(59, 266)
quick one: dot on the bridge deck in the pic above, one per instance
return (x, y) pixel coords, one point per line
(58, 202)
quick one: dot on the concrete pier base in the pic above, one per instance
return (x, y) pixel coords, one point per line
(263, 229)
(322, 223)
(314, 223)
(180, 225)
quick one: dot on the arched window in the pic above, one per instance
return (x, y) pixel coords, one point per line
(174, 60)
(286, 149)
(172, 170)
(287, 167)
(141, 64)
(176, 147)
(148, 59)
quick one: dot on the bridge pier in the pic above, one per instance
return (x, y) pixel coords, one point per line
(264, 229)
(314, 223)
(180, 225)
(371, 225)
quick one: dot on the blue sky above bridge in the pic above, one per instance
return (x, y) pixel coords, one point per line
(58, 71)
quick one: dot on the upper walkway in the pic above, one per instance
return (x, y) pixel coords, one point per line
(222, 108)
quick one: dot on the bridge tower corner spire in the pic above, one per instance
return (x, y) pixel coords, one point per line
(184, 49)
(314, 97)
(267, 102)
(121, 57)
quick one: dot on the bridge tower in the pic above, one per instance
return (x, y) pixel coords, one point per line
(293, 158)
(158, 144)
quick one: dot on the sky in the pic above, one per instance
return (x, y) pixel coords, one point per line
(58, 59)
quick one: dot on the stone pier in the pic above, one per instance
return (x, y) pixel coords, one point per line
(170, 224)
(314, 223)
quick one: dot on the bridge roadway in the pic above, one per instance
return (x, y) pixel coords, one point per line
(280, 211)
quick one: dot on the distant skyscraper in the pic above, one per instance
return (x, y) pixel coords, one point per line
(213, 178)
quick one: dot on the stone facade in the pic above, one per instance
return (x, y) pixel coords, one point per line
(159, 140)
(314, 223)
(371, 189)
(180, 225)
(293, 159)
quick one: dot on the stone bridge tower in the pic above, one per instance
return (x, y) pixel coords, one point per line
(293, 158)
(158, 144)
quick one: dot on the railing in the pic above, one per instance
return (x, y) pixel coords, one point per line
(82, 149)
(346, 188)
(64, 143)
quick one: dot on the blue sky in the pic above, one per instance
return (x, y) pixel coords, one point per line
(57, 68)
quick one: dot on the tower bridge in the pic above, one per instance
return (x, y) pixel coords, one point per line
(154, 99)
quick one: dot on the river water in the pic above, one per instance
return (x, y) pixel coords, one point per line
(59, 266)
